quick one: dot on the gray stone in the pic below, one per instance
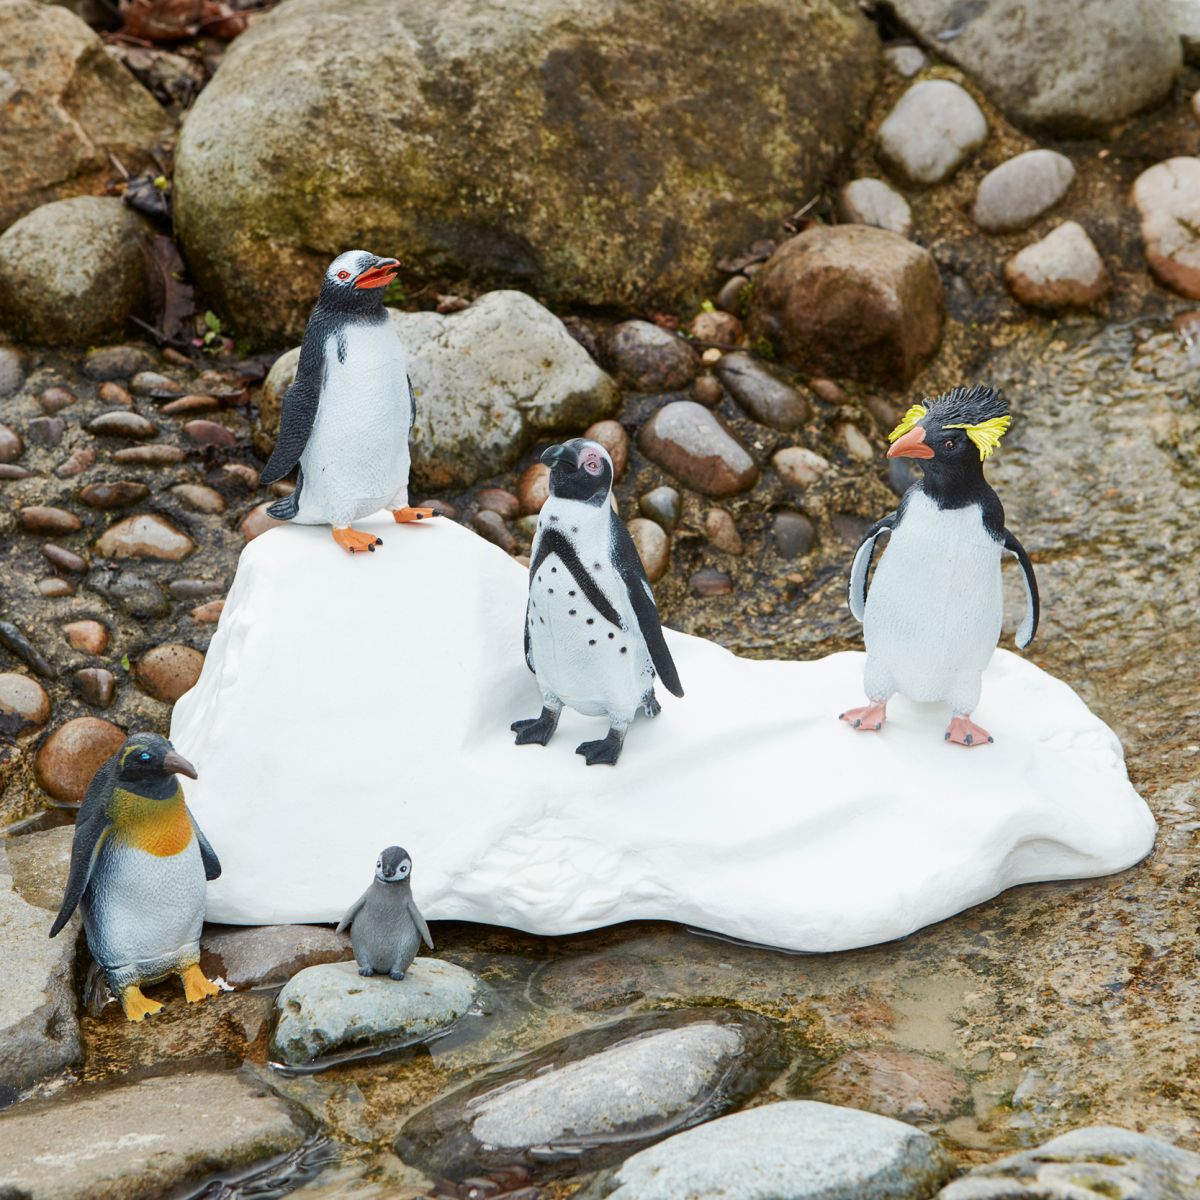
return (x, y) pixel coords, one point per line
(331, 1008)
(561, 146)
(662, 504)
(793, 534)
(766, 397)
(116, 362)
(12, 370)
(795, 1150)
(488, 380)
(1063, 270)
(144, 1140)
(647, 358)
(39, 1026)
(685, 439)
(873, 202)
(934, 128)
(73, 271)
(905, 60)
(39, 863)
(1096, 1161)
(1185, 16)
(268, 955)
(595, 1096)
(1013, 195)
(1123, 55)
(798, 466)
(1167, 196)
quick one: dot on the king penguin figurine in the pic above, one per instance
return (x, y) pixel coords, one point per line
(932, 617)
(347, 417)
(592, 634)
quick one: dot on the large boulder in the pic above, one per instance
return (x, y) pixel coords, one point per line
(488, 382)
(599, 153)
(1068, 66)
(73, 271)
(67, 105)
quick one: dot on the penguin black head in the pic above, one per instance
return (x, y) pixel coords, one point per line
(355, 282)
(393, 865)
(953, 434)
(147, 762)
(580, 470)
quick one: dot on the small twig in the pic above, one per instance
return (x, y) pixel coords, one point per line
(162, 339)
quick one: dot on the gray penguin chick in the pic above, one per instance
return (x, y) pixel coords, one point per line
(386, 927)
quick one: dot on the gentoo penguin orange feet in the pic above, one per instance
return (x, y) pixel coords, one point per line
(868, 719)
(964, 732)
(196, 985)
(138, 1005)
(402, 516)
(355, 541)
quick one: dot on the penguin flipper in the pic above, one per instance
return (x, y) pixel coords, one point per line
(1033, 610)
(286, 508)
(528, 644)
(352, 912)
(92, 827)
(208, 856)
(419, 922)
(299, 404)
(630, 568)
(862, 563)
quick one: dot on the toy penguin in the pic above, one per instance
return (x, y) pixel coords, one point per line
(138, 869)
(932, 617)
(386, 927)
(592, 634)
(348, 415)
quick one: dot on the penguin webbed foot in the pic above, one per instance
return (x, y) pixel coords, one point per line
(536, 730)
(136, 1005)
(408, 514)
(196, 985)
(366, 972)
(397, 975)
(962, 731)
(867, 719)
(605, 751)
(355, 540)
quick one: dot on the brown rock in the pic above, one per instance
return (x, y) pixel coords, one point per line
(113, 393)
(55, 522)
(723, 328)
(257, 522)
(767, 398)
(169, 670)
(88, 637)
(268, 955)
(150, 456)
(793, 534)
(76, 462)
(187, 405)
(533, 488)
(145, 536)
(894, 1083)
(155, 385)
(53, 587)
(732, 295)
(856, 443)
(210, 433)
(685, 439)
(11, 445)
(9, 471)
(210, 613)
(113, 495)
(96, 685)
(828, 391)
(708, 581)
(1167, 196)
(707, 391)
(490, 524)
(653, 547)
(200, 498)
(121, 423)
(850, 300)
(612, 436)
(55, 399)
(1063, 270)
(647, 358)
(72, 754)
(63, 559)
(239, 476)
(722, 532)
(499, 501)
(24, 705)
(115, 362)
(799, 467)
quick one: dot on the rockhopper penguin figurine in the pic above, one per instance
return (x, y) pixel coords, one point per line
(592, 635)
(138, 869)
(347, 417)
(932, 617)
(386, 927)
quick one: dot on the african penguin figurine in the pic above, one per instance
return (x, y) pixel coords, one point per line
(386, 927)
(348, 415)
(932, 617)
(592, 635)
(138, 869)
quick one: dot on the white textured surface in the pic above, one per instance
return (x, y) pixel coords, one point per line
(350, 703)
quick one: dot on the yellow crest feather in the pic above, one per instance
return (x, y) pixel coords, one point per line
(986, 435)
(910, 418)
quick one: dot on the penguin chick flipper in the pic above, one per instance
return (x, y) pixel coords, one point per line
(196, 985)
(352, 912)
(355, 541)
(868, 719)
(962, 731)
(605, 752)
(419, 922)
(407, 514)
(136, 1005)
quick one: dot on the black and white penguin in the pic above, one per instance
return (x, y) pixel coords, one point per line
(386, 927)
(347, 417)
(592, 634)
(931, 619)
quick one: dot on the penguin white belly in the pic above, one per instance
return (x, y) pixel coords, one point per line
(357, 457)
(144, 910)
(935, 605)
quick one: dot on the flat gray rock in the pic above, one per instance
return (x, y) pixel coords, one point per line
(267, 955)
(873, 202)
(1097, 1161)
(144, 1140)
(1013, 195)
(767, 398)
(331, 1007)
(796, 1150)
(933, 129)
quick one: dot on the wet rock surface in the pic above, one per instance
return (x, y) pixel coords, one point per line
(768, 399)
(264, 956)
(1063, 270)
(893, 1083)
(686, 440)
(1167, 196)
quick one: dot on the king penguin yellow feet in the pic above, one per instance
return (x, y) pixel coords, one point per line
(402, 516)
(196, 985)
(868, 719)
(136, 1005)
(354, 541)
(964, 732)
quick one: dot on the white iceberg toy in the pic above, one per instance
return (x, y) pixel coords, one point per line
(352, 702)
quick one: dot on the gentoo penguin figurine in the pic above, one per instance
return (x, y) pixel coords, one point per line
(386, 927)
(592, 635)
(348, 415)
(138, 869)
(932, 617)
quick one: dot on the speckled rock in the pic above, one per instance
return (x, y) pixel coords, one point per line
(169, 670)
(1013, 195)
(934, 128)
(73, 271)
(685, 439)
(1063, 270)
(150, 456)
(88, 637)
(719, 328)
(1167, 196)
(24, 705)
(72, 754)
(798, 466)
(62, 558)
(653, 547)
(874, 202)
(893, 1083)
(145, 536)
(707, 390)
(764, 396)
(850, 300)
(262, 956)
(722, 531)
(646, 358)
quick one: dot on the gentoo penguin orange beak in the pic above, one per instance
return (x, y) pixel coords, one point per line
(380, 275)
(911, 445)
(175, 764)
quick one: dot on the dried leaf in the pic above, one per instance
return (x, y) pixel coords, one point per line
(174, 303)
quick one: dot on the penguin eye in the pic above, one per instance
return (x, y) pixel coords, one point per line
(948, 444)
(591, 465)
(144, 756)
(343, 274)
